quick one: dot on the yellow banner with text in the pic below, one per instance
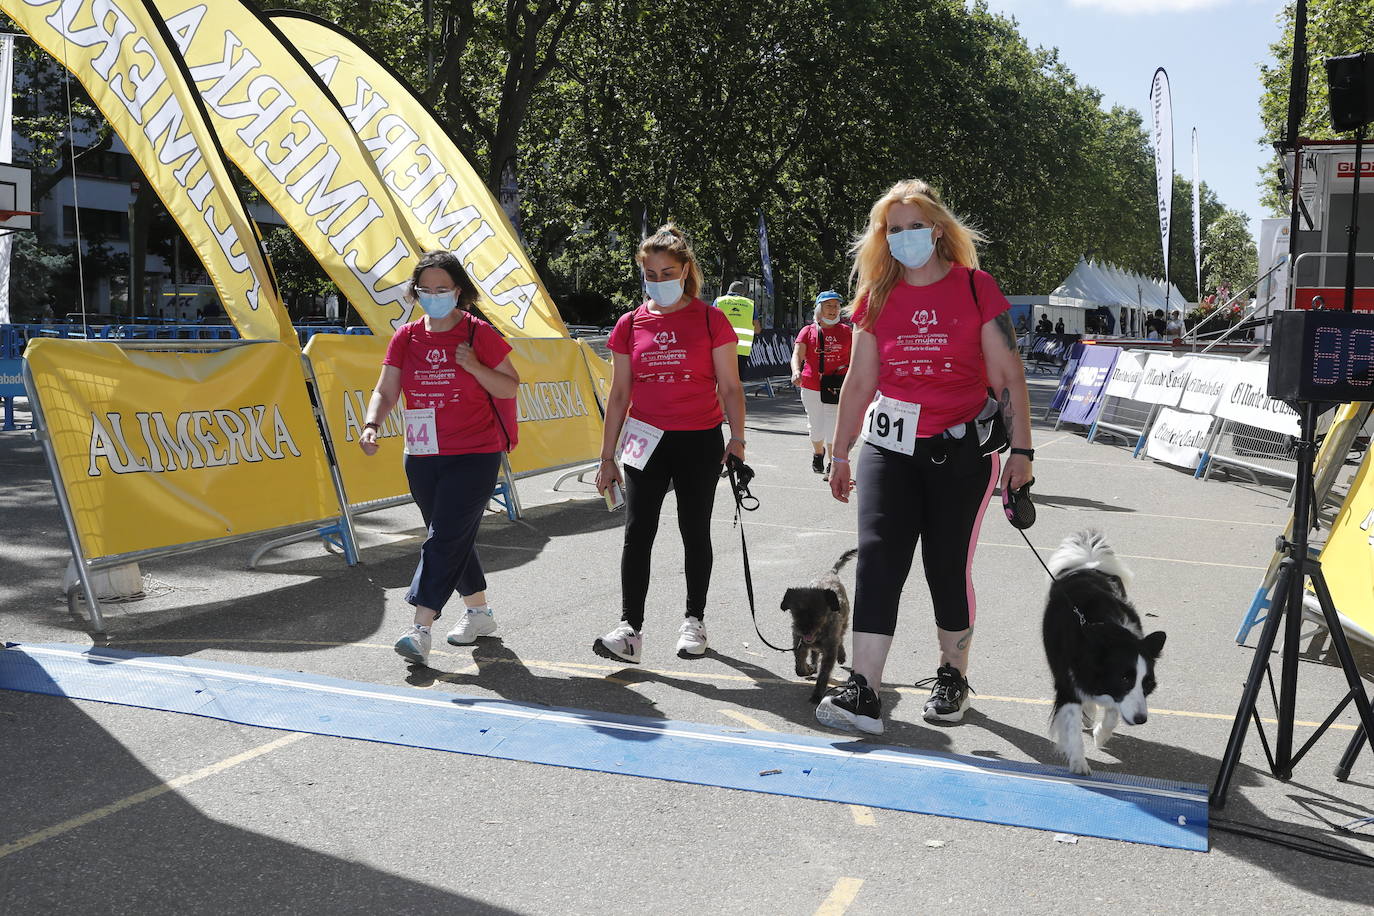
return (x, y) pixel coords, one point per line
(161, 449)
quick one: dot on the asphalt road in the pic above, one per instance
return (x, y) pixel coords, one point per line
(111, 809)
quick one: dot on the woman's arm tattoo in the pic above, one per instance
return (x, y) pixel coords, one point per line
(1008, 332)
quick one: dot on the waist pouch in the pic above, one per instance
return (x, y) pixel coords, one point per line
(987, 431)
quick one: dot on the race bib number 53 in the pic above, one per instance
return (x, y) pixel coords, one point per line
(637, 442)
(891, 424)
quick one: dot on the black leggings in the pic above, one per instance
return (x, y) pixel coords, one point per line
(688, 462)
(904, 499)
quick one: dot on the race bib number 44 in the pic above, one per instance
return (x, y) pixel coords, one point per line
(637, 442)
(891, 424)
(422, 435)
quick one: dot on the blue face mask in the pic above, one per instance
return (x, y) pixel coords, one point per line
(438, 305)
(664, 292)
(912, 247)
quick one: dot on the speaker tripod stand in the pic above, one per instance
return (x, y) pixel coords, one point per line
(1287, 611)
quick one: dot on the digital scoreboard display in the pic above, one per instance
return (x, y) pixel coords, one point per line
(1322, 356)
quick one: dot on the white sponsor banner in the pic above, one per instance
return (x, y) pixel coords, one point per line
(1162, 136)
(1206, 380)
(1178, 438)
(1126, 374)
(1164, 379)
(1244, 400)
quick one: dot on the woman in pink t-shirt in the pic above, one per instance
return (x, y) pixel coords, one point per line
(822, 348)
(932, 337)
(451, 366)
(674, 368)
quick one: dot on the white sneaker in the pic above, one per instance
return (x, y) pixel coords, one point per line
(691, 638)
(473, 624)
(413, 645)
(623, 644)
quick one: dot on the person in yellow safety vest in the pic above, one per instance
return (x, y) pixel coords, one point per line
(740, 310)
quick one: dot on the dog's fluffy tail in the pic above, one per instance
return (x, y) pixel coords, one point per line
(1088, 550)
(844, 558)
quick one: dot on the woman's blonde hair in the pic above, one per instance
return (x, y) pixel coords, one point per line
(669, 239)
(876, 271)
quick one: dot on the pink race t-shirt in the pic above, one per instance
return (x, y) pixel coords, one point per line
(463, 414)
(839, 340)
(673, 376)
(930, 346)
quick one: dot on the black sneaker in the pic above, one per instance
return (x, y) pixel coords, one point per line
(826, 475)
(818, 463)
(948, 697)
(854, 705)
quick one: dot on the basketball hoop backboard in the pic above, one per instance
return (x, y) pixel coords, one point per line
(16, 208)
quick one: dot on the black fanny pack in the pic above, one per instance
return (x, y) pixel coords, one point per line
(830, 384)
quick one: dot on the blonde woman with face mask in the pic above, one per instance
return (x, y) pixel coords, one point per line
(932, 336)
(819, 360)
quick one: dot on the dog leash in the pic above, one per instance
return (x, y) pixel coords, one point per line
(740, 474)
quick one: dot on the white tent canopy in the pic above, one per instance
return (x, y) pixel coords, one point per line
(1095, 285)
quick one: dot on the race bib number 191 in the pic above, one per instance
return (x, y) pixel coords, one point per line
(422, 435)
(637, 442)
(891, 424)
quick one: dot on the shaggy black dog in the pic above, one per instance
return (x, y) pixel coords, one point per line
(820, 616)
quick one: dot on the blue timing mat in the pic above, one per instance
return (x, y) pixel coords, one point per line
(805, 766)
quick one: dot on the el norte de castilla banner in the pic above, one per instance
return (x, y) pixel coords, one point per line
(121, 53)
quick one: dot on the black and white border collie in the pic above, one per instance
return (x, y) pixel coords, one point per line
(1100, 660)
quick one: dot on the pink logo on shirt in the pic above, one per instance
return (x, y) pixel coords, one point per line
(436, 357)
(664, 338)
(924, 319)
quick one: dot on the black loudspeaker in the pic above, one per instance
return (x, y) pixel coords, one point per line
(1350, 83)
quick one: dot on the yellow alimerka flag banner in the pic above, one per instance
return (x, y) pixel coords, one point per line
(159, 449)
(445, 203)
(119, 52)
(280, 127)
(560, 424)
(346, 367)
(1348, 557)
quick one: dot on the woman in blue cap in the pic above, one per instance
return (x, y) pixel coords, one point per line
(819, 361)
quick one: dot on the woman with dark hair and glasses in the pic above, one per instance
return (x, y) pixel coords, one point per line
(450, 365)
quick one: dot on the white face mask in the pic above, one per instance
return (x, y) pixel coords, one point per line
(664, 292)
(912, 247)
(827, 322)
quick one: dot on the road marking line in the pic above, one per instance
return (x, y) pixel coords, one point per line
(841, 896)
(138, 798)
(863, 815)
(747, 720)
(700, 675)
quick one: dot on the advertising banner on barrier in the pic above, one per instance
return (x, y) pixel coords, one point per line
(771, 357)
(1178, 438)
(560, 424)
(1164, 379)
(1126, 374)
(121, 53)
(1084, 400)
(346, 367)
(160, 449)
(1348, 557)
(1066, 379)
(1244, 400)
(601, 373)
(1206, 380)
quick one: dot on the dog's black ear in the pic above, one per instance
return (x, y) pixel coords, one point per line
(787, 598)
(833, 600)
(1153, 645)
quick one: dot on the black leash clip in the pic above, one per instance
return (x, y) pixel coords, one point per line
(740, 475)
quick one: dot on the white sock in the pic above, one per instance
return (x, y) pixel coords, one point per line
(480, 609)
(421, 627)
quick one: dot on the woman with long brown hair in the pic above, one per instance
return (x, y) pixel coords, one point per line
(932, 337)
(674, 368)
